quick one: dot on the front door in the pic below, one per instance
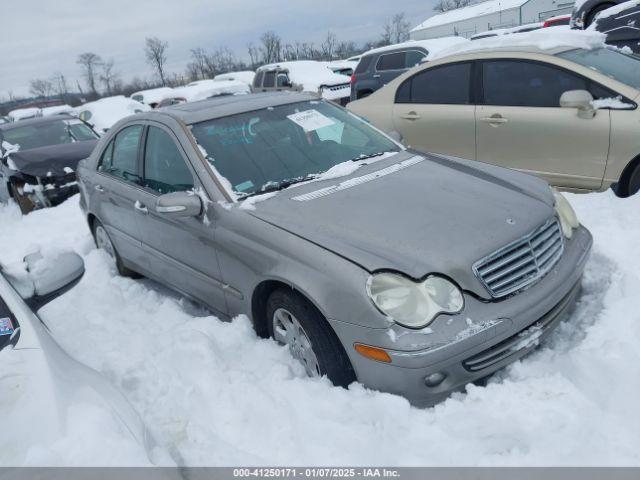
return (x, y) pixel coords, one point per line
(182, 251)
(434, 112)
(521, 125)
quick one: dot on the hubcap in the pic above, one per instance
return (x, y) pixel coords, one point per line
(103, 241)
(288, 331)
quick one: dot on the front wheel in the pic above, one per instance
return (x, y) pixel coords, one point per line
(297, 324)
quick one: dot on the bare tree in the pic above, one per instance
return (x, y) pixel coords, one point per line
(41, 88)
(396, 30)
(328, 46)
(446, 5)
(156, 53)
(110, 78)
(271, 47)
(254, 55)
(90, 62)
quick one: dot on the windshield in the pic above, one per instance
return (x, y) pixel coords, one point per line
(619, 66)
(49, 133)
(279, 145)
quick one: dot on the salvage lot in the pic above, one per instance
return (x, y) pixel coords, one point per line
(213, 393)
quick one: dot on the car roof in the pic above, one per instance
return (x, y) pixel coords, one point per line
(515, 49)
(226, 105)
(35, 121)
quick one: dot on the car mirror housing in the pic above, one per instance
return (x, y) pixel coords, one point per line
(580, 99)
(43, 279)
(179, 204)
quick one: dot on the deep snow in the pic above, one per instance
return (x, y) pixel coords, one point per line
(221, 396)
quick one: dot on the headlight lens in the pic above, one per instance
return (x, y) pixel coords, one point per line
(412, 304)
(568, 218)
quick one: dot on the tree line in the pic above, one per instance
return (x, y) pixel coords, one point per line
(102, 78)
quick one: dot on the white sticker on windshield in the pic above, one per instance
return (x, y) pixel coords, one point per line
(310, 120)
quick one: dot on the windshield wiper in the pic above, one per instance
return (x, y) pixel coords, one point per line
(281, 185)
(365, 156)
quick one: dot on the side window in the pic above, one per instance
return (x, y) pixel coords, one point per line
(363, 64)
(391, 61)
(413, 58)
(165, 170)
(269, 79)
(449, 84)
(282, 80)
(257, 80)
(527, 84)
(121, 156)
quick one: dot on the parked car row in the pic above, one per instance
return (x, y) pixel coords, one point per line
(619, 20)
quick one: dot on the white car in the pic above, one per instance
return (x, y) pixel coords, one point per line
(103, 113)
(42, 385)
(203, 89)
(245, 76)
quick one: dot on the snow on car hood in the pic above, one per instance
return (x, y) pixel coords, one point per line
(435, 215)
(52, 159)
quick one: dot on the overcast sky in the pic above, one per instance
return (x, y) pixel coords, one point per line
(42, 37)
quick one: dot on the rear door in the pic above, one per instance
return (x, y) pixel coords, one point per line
(521, 125)
(434, 110)
(182, 251)
(116, 191)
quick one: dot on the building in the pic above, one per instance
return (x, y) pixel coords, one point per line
(489, 15)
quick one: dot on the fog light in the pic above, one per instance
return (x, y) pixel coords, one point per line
(434, 379)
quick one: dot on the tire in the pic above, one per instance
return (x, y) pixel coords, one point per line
(633, 185)
(25, 204)
(592, 14)
(103, 241)
(316, 333)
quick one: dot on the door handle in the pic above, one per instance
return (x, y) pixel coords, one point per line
(376, 76)
(495, 119)
(98, 188)
(140, 207)
(410, 116)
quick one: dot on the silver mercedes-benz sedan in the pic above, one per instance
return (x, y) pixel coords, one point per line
(408, 272)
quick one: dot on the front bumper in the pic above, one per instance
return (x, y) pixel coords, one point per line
(49, 191)
(490, 335)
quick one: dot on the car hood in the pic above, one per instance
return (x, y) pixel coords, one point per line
(430, 214)
(53, 159)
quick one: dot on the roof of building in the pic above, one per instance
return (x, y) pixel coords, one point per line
(472, 11)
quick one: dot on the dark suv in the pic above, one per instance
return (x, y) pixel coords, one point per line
(378, 67)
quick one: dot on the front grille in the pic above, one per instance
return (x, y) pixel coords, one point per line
(523, 262)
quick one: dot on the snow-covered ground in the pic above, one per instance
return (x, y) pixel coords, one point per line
(218, 395)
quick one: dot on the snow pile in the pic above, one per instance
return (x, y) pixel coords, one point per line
(221, 396)
(152, 95)
(613, 102)
(204, 89)
(24, 113)
(245, 76)
(543, 39)
(104, 113)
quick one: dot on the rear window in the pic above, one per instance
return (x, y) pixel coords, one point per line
(391, 61)
(257, 81)
(363, 64)
(269, 79)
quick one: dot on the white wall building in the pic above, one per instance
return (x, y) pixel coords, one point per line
(489, 15)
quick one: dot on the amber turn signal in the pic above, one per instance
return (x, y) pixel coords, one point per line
(373, 353)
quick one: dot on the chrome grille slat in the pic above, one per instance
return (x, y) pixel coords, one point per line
(523, 262)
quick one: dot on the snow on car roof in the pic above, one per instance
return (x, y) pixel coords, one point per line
(153, 95)
(23, 113)
(471, 11)
(433, 45)
(309, 73)
(202, 89)
(107, 111)
(57, 110)
(245, 76)
(546, 40)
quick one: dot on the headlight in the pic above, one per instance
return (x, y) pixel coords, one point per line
(568, 218)
(413, 304)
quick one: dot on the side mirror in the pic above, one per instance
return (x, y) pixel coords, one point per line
(580, 99)
(179, 204)
(45, 278)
